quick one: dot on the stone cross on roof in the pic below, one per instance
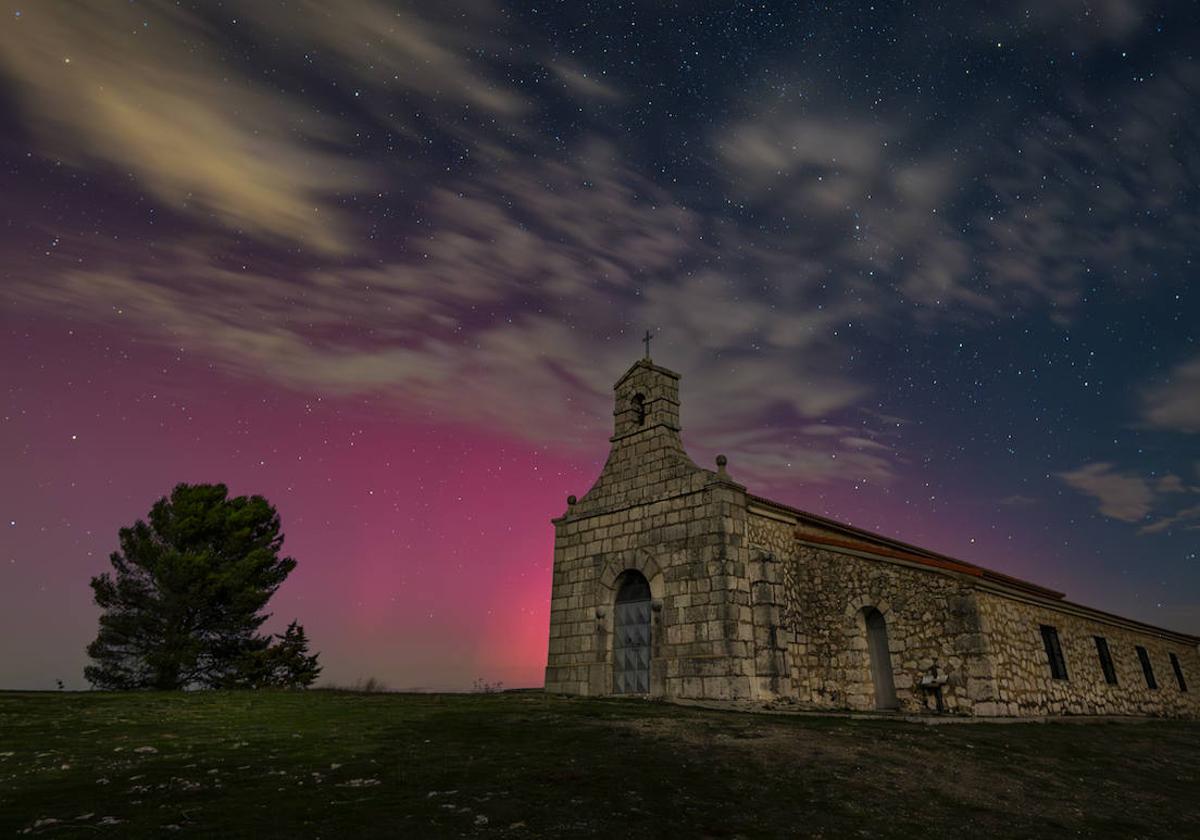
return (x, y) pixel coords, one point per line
(647, 342)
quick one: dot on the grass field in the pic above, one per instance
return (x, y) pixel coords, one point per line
(339, 764)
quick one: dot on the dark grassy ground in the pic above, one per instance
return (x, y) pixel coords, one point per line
(332, 764)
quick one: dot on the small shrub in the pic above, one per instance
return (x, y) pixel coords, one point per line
(370, 685)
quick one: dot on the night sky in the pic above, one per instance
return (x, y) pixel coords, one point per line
(923, 269)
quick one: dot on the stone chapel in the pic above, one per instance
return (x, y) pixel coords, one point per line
(673, 581)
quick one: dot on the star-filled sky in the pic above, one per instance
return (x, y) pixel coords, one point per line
(926, 268)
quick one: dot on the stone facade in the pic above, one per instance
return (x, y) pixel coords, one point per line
(1024, 685)
(682, 527)
(754, 600)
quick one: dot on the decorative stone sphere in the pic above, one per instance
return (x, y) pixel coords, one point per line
(570, 500)
(722, 460)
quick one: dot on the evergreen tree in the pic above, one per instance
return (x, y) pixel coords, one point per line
(182, 606)
(285, 663)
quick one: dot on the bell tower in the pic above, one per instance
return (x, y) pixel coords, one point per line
(646, 398)
(646, 449)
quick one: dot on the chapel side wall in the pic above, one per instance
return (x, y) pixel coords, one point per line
(931, 619)
(1025, 687)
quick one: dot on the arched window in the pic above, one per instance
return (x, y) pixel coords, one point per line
(881, 659)
(631, 634)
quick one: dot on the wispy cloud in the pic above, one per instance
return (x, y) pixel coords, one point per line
(1175, 403)
(589, 85)
(1132, 497)
(149, 89)
(1018, 500)
(1025, 217)
(1171, 484)
(1122, 495)
(1080, 26)
(1188, 519)
(110, 84)
(1084, 24)
(1108, 189)
(851, 191)
(517, 313)
(401, 62)
(534, 262)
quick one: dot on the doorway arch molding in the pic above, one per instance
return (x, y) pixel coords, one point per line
(857, 606)
(639, 561)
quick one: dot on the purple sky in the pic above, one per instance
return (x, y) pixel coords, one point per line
(922, 270)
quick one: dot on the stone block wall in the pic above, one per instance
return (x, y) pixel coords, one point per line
(653, 510)
(688, 547)
(931, 619)
(1025, 686)
(986, 641)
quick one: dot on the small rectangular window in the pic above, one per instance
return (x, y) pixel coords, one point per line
(1178, 672)
(1144, 658)
(1106, 663)
(1058, 666)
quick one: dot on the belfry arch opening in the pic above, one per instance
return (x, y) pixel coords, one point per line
(639, 409)
(881, 659)
(631, 634)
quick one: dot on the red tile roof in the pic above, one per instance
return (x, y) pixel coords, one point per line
(861, 540)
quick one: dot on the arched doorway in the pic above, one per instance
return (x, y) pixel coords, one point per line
(881, 660)
(631, 635)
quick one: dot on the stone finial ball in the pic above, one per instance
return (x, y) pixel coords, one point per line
(570, 500)
(722, 460)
